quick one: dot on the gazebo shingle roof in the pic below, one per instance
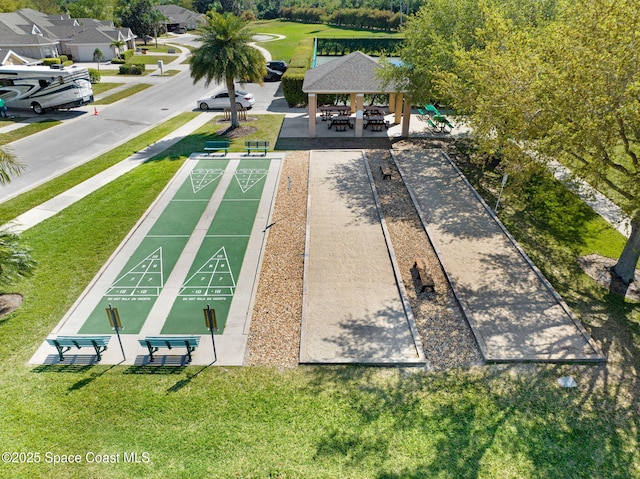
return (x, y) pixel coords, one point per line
(353, 73)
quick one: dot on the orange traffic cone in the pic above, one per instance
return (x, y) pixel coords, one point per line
(95, 110)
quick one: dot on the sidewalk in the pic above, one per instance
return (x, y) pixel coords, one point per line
(55, 205)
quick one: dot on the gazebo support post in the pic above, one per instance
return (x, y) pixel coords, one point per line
(313, 107)
(406, 118)
(398, 108)
(392, 102)
(359, 97)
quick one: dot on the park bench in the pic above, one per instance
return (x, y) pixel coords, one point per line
(426, 280)
(386, 172)
(216, 145)
(65, 343)
(153, 343)
(256, 145)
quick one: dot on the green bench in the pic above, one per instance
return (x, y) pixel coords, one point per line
(153, 343)
(257, 145)
(216, 145)
(65, 343)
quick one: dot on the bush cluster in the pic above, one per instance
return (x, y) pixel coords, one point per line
(132, 69)
(94, 75)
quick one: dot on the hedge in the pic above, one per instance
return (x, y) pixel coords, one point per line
(132, 69)
(94, 75)
(294, 76)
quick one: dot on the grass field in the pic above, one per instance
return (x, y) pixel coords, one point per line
(312, 422)
(294, 32)
(315, 422)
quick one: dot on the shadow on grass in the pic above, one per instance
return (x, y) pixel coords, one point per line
(515, 419)
(471, 424)
(74, 369)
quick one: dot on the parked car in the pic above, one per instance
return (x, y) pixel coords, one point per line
(221, 100)
(278, 65)
(273, 75)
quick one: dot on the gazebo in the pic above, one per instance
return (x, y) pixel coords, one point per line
(356, 75)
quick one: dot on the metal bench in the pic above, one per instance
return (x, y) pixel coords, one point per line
(256, 145)
(65, 343)
(153, 343)
(216, 145)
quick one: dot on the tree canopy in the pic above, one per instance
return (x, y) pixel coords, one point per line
(566, 90)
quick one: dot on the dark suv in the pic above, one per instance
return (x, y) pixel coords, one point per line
(278, 65)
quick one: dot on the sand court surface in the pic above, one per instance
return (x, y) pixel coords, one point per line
(353, 310)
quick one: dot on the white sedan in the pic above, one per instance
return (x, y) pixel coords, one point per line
(221, 100)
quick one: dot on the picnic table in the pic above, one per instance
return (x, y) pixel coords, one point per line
(328, 111)
(341, 122)
(442, 123)
(374, 110)
(376, 122)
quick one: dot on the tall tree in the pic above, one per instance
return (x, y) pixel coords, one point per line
(225, 55)
(137, 15)
(570, 91)
(97, 9)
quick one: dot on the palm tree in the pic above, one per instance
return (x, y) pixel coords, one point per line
(15, 258)
(9, 166)
(225, 55)
(117, 45)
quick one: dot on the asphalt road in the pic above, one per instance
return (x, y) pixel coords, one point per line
(85, 135)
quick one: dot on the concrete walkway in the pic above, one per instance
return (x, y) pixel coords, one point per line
(353, 307)
(513, 311)
(55, 205)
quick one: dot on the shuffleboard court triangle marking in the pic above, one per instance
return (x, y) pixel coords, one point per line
(213, 278)
(249, 177)
(201, 177)
(144, 279)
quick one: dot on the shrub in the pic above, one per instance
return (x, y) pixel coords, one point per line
(292, 86)
(127, 54)
(51, 61)
(63, 58)
(118, 61)
(132, 69)
(248, 16)
(94, 75)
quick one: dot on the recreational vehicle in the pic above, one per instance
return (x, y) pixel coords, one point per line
(44, 88)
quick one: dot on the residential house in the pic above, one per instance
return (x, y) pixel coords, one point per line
(36, 35)
(179, 19)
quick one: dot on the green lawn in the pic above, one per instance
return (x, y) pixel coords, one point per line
(315, 422)
(294, 32)
(27, 130)
(127, 92)
(104, 86)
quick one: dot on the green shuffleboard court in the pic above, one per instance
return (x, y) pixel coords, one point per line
(144, 275)
(208, 271)
(214, 273)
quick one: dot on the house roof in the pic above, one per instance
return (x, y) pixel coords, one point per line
(30, 27)
(353, 73)
(178, 14)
